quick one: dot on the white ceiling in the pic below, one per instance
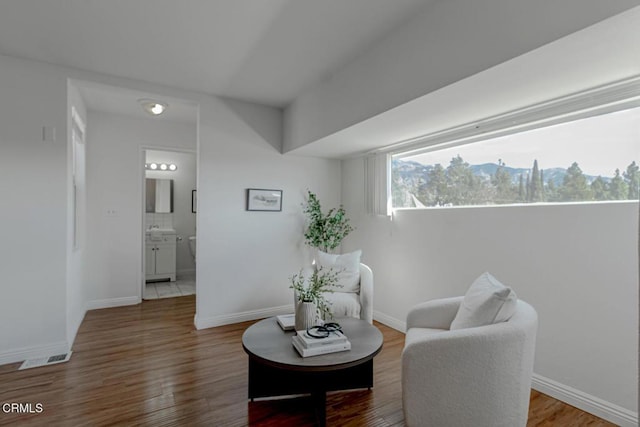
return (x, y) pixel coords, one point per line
(122, 101)
(612, 56)
(264, 51)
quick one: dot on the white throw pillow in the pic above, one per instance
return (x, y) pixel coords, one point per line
(347, 266)
(486, 302)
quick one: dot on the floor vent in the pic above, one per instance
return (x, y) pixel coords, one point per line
(45, 361)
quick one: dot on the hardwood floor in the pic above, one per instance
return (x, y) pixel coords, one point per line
(147, 365)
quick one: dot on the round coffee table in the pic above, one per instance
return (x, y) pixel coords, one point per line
(277, 369)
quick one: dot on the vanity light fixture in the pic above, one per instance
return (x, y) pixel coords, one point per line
(166, 167)
(153, 107)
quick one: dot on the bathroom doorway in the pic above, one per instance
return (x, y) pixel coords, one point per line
(169, 222)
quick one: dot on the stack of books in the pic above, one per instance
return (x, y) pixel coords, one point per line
(287, 321)
(310, 346)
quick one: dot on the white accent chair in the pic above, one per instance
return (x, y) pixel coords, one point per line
(467, 377)
(349, 304)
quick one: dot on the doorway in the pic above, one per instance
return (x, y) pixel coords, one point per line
(169, 222)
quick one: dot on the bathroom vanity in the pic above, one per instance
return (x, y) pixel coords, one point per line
(160, 255)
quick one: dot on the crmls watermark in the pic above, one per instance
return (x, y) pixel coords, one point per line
(22, 408)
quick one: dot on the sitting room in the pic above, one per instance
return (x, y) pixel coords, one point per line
(292, 212)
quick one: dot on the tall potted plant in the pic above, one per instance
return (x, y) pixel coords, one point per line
(325, 231)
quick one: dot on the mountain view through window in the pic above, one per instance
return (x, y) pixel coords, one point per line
(591, 159)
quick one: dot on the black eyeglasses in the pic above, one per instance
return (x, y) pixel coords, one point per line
(324, 331)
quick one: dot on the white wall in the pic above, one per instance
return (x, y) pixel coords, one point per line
(576, 264)
(114, 182)
(184, 221)
(33, 184)
(445, 43)
(76, 283)
(245, 258)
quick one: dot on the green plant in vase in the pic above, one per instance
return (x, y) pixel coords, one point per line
(325, 231)
(311, 289)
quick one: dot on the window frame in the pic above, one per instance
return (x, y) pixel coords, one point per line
(604, 99)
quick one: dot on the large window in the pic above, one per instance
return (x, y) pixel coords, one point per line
(590, 159)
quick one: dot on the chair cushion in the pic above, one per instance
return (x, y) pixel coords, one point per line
(343, 304)
(347, 266)
(486, 302)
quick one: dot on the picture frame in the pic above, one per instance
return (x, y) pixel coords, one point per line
(194, 201)
(260, 199)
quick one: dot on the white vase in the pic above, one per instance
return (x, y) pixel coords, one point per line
(306, 315)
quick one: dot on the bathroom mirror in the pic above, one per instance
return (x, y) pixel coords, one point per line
(159, 195)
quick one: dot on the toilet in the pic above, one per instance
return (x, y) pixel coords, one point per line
(192, 247)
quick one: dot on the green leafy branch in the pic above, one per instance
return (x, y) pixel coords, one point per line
(325, 231)
(319, 282)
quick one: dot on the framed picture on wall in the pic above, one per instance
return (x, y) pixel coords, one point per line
(194, 201)
(259, 199)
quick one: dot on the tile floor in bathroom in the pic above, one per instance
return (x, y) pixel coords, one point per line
(181, 287)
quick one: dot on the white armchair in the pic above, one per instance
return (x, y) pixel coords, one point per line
(467, 377)
(349, 304)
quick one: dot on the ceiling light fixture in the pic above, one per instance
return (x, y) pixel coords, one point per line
(153, 107)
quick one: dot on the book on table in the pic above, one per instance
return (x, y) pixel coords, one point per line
(308, 341)
(287, 321)
(319, 350)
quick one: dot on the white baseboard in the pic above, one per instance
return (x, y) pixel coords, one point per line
(588, 403)
(21, 354)
(389, 321)
(244, 316)
(227, 319)
(112, 302)
(25, 353)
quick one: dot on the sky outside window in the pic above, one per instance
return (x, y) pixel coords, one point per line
(599, 144)
(583, 149)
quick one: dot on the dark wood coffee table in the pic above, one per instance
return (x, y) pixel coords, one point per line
(276, 368)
